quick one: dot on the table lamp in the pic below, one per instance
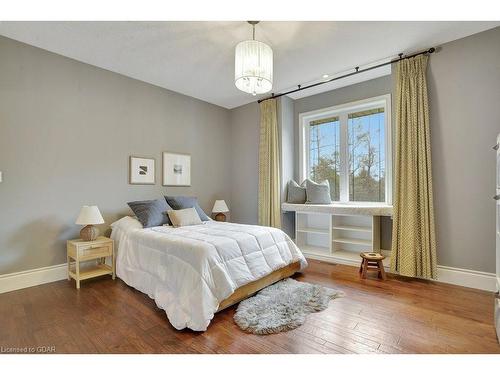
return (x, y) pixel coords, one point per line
(219, 208)
(89, 216)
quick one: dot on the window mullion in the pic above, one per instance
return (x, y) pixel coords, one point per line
(344, 158)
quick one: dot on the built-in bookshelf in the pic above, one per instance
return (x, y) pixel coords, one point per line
(313, 232)
(337, 237)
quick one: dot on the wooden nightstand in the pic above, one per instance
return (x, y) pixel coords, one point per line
(83, 251)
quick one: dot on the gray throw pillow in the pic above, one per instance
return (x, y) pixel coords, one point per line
(318, 193)
(180, 202)
(151, 213)
(296, 192)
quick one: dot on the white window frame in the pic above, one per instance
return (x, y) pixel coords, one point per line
(341, 111)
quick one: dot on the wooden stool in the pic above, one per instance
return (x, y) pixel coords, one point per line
(372, 262)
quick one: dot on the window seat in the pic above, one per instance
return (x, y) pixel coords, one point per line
(338, 232)
(370, 209)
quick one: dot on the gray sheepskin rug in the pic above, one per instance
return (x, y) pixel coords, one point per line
(282, 306)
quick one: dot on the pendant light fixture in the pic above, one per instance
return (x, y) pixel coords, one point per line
(253, 65)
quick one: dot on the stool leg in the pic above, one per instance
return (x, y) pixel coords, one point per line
(365, 266)
(361, 265)
(381, 270)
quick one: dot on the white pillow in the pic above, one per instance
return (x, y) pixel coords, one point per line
(127, 223)
(184, 217)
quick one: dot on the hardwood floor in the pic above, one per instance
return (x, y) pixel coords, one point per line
(393, 316)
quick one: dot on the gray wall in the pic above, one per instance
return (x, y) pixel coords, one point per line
(464, 95)
(245, 133)
(66, 132)
(244, 157)
(67, 129)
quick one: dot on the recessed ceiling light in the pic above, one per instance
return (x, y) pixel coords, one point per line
(325, 75)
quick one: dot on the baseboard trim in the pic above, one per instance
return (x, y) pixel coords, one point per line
(468, 278)
(448, 275)
(331, 259)
(341, 260)
(26, 279)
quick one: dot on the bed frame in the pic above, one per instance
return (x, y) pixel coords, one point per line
(251, 288)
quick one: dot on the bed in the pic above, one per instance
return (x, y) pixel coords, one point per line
(194, 271)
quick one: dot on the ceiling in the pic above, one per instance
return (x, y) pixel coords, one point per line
(197, 58)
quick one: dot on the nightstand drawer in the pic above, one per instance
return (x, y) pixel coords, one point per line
(94, 251)
(90, 251)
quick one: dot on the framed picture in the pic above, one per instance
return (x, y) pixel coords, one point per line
(142, 171)
(176, 169)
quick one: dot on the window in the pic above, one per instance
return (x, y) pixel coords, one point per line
(324, 153)
(350, 146)
(366, 155)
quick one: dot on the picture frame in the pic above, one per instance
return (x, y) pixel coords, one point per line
(142, 170)
(176, 169)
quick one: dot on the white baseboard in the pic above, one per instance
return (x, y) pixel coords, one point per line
(332, 259)
(467, 278)
(355, 260)
(25, 279)
(449, 275)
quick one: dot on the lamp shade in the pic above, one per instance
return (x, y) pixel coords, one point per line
(220, 206)
(253, 67)
(89, 215)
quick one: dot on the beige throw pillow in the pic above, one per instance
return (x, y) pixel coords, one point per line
(186, 216)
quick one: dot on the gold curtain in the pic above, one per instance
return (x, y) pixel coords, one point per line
(269, 168)
(413, 235)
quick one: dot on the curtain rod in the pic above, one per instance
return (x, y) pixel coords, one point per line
(357, 71)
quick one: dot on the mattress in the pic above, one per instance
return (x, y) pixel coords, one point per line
(188, 271)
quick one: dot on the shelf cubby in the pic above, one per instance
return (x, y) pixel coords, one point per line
(337, 236)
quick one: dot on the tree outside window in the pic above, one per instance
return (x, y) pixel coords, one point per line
(324, 153)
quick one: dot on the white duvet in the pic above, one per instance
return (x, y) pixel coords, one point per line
(188, 271)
